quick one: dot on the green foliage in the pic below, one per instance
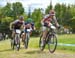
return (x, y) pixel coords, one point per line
(7, 19)
(6, 10)
(72, 23)
(64, 14)
(72, 10)
(25, 16)
(17, 9)
(8, 13)
(48, 8)
(4, 26)
(0, 14)
(58, 10)
(37, 16)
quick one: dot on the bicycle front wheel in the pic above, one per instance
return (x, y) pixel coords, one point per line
(17, 42)
(52, 43)
(12, 44)
(27, 40)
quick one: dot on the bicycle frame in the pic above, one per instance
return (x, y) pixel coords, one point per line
(50, 32)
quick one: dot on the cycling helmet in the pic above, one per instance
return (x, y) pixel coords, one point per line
(52, 12)
(29, 20)
(21, 18)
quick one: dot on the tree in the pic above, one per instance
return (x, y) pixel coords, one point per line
(4, 25)
(17, 9)
(0, 14)
(7, 19)
(67, 16)
(48, 8)
(57, 9)
(72, 24)
(37, 15)
(72, 10)
(63, 13)
(6, 10)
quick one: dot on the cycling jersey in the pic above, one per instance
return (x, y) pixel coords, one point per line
(47, 18)
(17, 24)
(32, 24)
(29, 21)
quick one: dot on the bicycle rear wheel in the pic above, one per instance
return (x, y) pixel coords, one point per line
(52, 43)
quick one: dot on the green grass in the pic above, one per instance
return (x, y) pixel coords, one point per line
(68, 38)
(6, 52)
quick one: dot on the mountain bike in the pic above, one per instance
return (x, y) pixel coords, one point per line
(51, 40)
(15, 42)
(27, 37)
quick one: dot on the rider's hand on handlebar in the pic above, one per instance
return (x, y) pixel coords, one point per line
(59, 27)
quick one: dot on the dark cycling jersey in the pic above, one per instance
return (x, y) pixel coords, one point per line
(17, 24)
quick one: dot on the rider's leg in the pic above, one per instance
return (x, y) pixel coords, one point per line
(13, 34)
(44, 35)
(44, 32)
(23, 36)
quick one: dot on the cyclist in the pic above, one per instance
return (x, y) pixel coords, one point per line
(17, 24)
(29, 24)
(47, 22)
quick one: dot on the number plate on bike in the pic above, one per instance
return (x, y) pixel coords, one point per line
(18, 31)
(28, 30)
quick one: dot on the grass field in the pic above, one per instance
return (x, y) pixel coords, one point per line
(66, 39)
(34, 42)
(6, 52)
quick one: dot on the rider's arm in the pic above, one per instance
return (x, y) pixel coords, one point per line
(55, 20)
(11, 25)
(42, 21)
(33, 26)
(23, 25)
(45, 17)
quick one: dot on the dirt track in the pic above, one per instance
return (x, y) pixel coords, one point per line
(45, 54)
(34, 53)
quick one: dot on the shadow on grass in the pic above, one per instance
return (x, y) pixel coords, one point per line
(5, 50)
(10, 49)
(34, 51)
